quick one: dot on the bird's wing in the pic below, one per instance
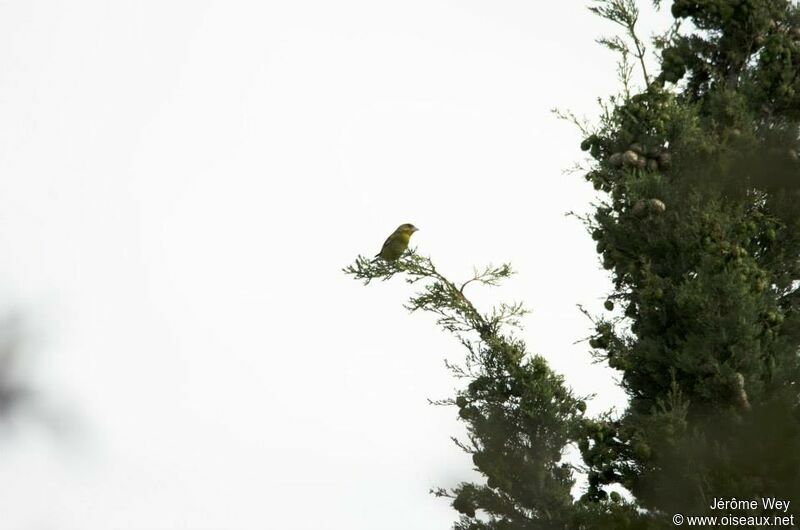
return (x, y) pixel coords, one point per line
(385, 244)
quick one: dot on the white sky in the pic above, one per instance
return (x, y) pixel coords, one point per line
(181, 183)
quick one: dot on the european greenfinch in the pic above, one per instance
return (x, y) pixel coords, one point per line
(397, 243)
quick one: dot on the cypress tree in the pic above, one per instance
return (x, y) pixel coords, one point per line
(698, 225)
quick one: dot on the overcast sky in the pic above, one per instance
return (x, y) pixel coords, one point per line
(181, 183)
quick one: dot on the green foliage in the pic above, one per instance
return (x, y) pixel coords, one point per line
(703, 253)
(699, 228)
(519, 414)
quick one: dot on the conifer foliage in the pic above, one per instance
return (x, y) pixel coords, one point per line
(698, 225)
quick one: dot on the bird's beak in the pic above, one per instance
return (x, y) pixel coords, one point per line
(416, 229)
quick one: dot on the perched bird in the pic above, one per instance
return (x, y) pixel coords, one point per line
(397, 243)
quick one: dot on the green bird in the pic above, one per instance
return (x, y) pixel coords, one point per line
(397, 243)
